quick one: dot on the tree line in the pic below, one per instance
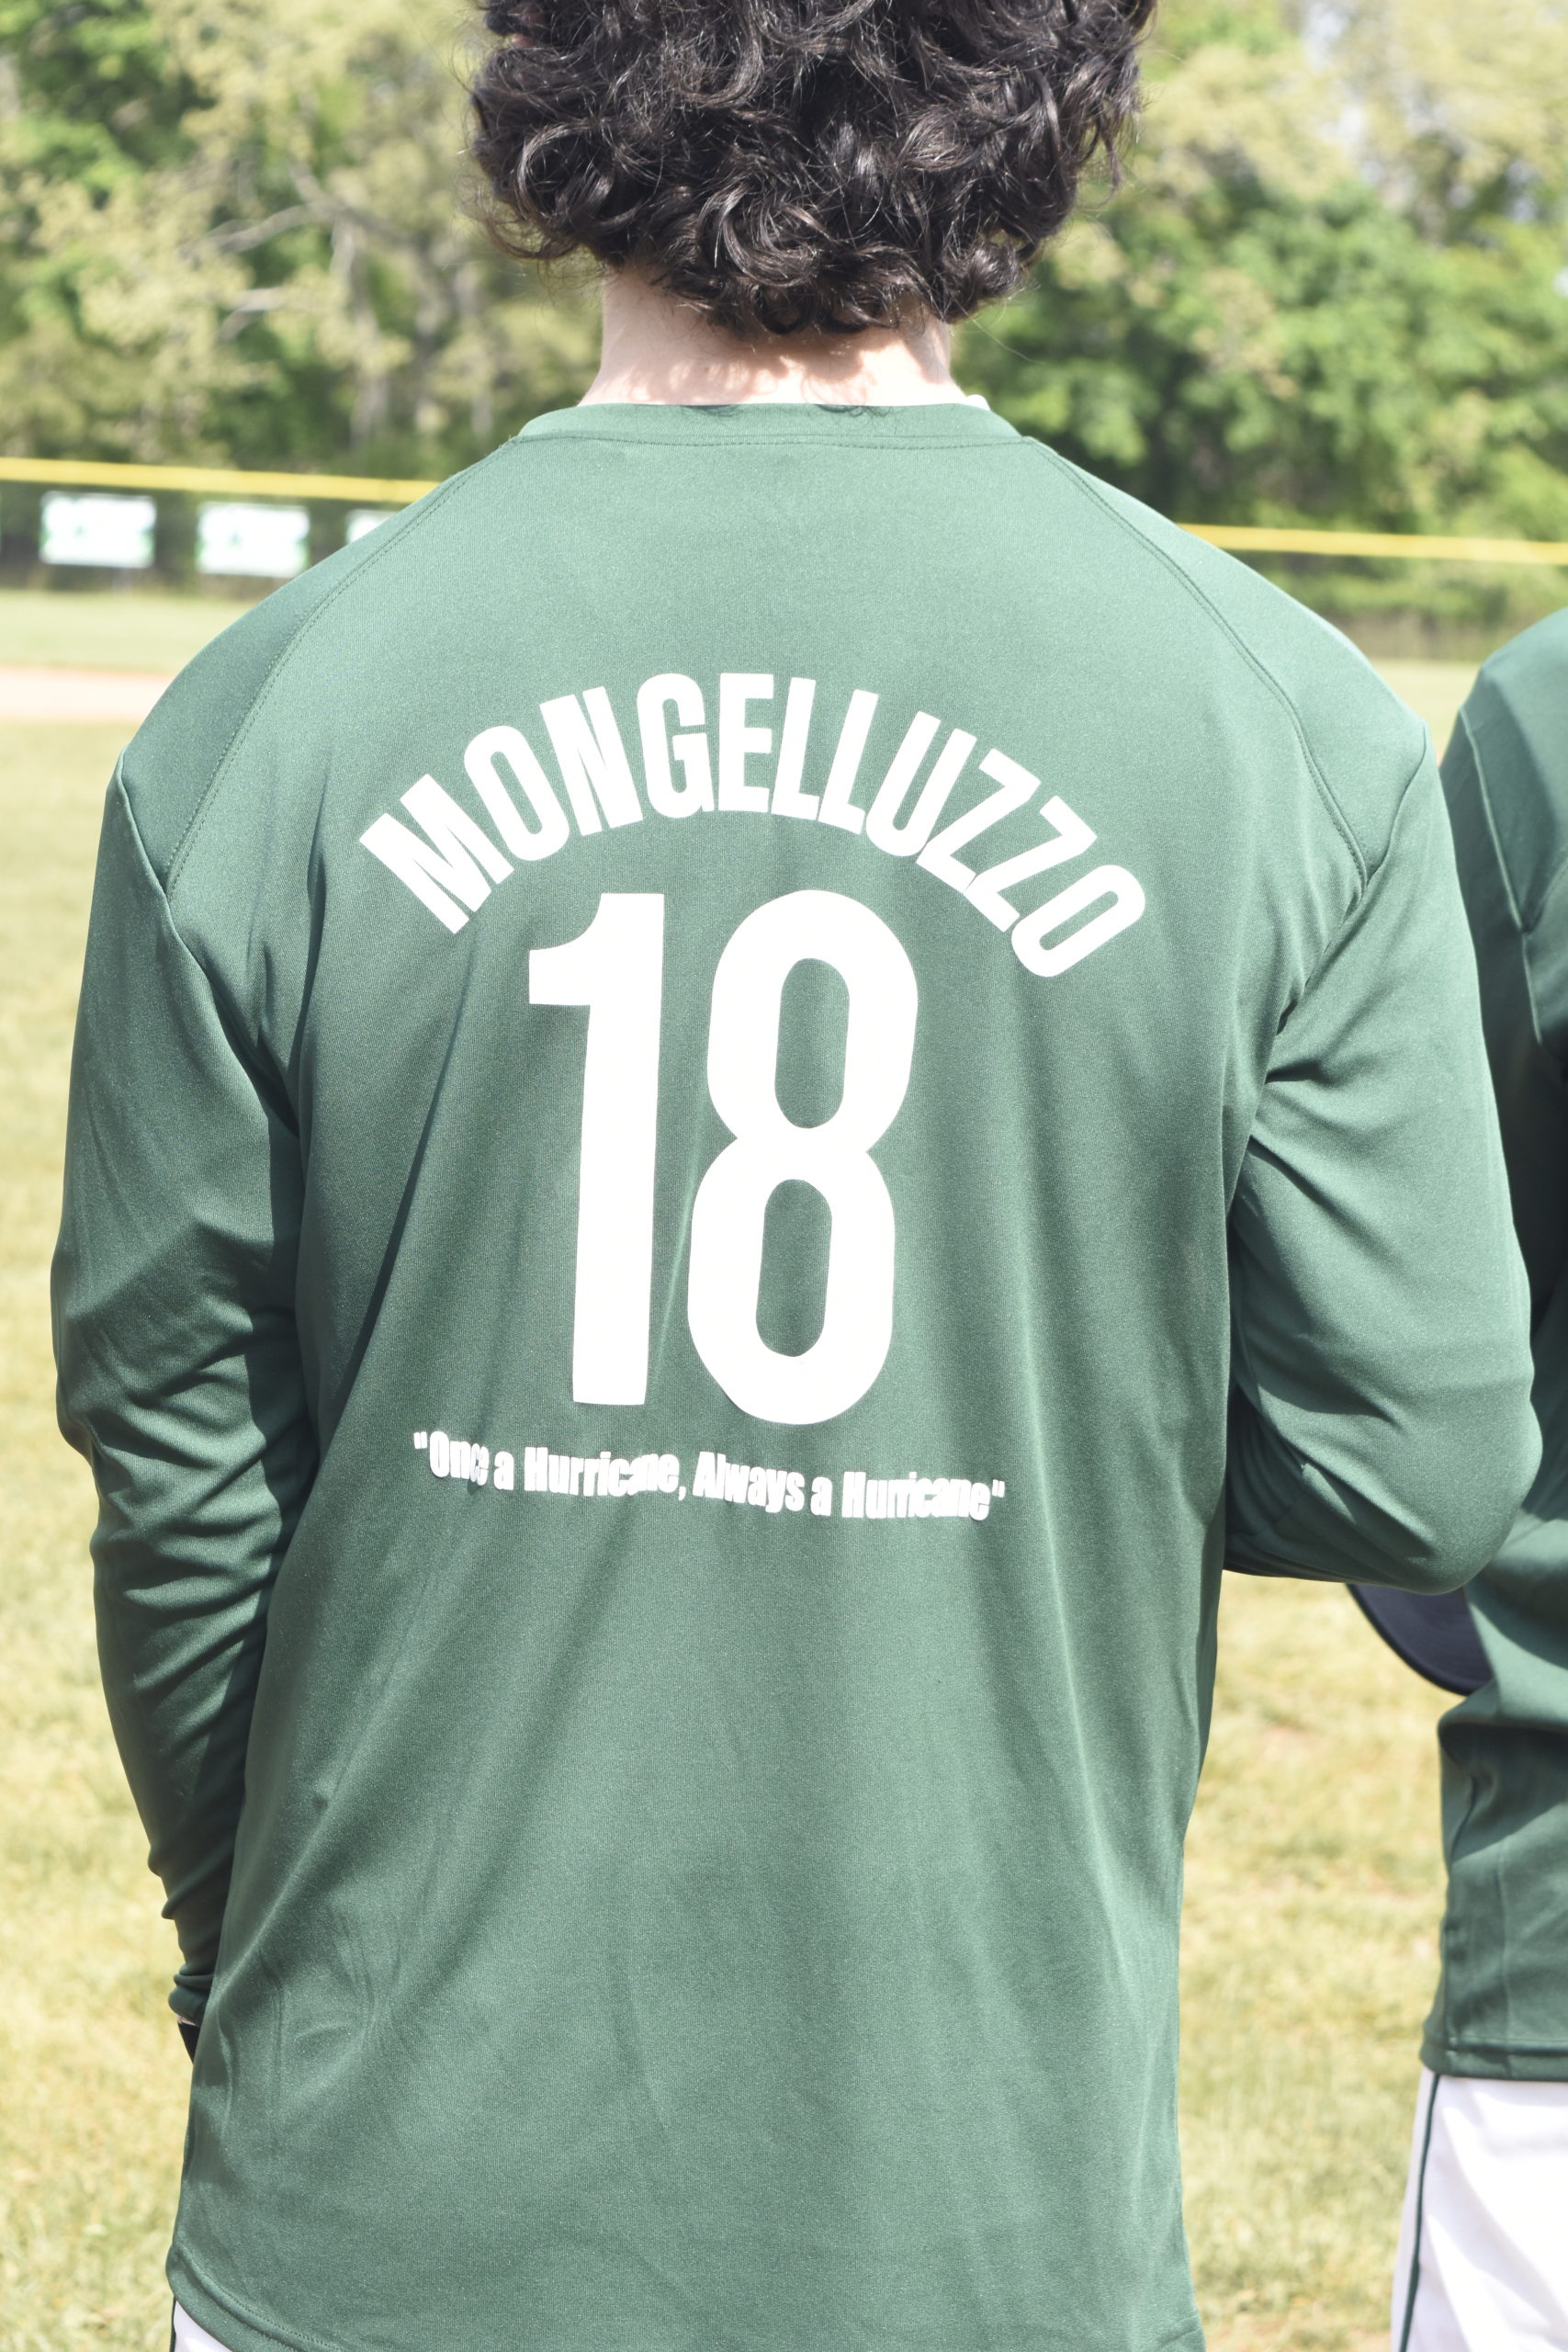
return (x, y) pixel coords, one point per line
(1330, 289)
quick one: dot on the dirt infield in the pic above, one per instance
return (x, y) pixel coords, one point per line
(82, 696)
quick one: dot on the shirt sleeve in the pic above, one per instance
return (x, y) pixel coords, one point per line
(1501, 2005)
(179, 1368)
(1381, 1430)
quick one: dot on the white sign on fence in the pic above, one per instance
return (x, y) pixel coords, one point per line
(253, 542)
(90, 527)
(364, 519)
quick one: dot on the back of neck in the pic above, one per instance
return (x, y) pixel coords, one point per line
(658, 349)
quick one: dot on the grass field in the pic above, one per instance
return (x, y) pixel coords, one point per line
(1314, 1874)
(95, 630)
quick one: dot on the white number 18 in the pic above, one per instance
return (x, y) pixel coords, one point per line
(616, 968)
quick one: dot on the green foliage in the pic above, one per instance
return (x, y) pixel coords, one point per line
(1329, 289)
(235, 231)
(1251, 355)
(101, 98)
(1275, 321)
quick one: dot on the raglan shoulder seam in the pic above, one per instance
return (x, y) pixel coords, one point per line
(1483, 791)
(1089, 489)
(1523, 932)
(1486, 682)
(1558, 874)
(1350, 913)
(297, 636)
(241, 1045)
(118, 787)
(1510, 884)
(1359, 898)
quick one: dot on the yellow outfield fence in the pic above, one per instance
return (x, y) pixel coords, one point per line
(1241, 539)
(212, 481)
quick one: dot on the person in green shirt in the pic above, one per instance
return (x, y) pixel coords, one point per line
(1483, 2262)
(748, 1093)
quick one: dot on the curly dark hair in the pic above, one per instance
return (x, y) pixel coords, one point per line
(801, 164)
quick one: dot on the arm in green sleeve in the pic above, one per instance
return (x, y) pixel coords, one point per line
(1501, 2005)
(1381, 1426)
(179, 1372)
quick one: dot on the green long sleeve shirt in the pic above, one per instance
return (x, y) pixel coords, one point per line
(746, 1093)
(1501, 2005)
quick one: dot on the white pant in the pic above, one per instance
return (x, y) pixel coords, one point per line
(1483, 2261)
(188, 2337)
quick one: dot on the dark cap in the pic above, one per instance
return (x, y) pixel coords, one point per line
(1433, 1632)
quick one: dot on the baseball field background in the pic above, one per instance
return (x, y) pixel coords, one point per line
(1314, 1877)
(1330, 294)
